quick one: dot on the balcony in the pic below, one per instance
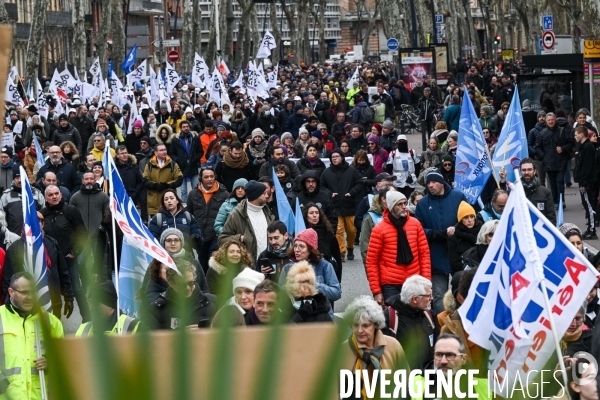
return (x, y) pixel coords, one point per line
(58, 18)
(146, 7)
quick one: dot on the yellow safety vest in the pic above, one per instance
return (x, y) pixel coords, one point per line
(481, 389)
(128, 325)
(18, 352)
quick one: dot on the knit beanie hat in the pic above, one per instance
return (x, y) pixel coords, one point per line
(286, 135)
(434, 175)
(541, 113)
(258, 132)
(171, 231)
(338, 151)
(465, 209)
(567, 227)
(104, 293)
(272, 139)
(392, 198)
(248, 279)
(377, 126)
(318, 134)
(373, 139)
(254, 190)
(308, 236)
(448, 157)
(16, 171)
(240, 182)
(138, 124)
(388, 124)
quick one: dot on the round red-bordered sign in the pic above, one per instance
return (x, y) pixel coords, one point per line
(548, 40)
(173, 56)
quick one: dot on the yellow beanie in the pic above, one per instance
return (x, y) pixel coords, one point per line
(464, 209)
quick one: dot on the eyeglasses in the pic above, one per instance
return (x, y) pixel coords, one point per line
(25, 293)
(402, 203)
(491, 234)
(372, 144)
(173, 241)
(430, 295)
(98, 141)
(447, 164)
(578, 319)
(449, 356)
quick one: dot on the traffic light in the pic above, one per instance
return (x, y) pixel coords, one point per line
(497, 39)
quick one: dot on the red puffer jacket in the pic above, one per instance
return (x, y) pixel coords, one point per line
(381, 257)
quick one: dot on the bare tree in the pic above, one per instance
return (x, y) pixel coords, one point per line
(276, 33)
(102, 38)
(187, 36)
(371, 19)
(227, 47)
(197, 28)
(530, 13)
(211, 49)
(573, 12)
(36, 39)
(4, 19)
(291, 20)
(393, 14)
(471, 34)
(118, 35)
(423, 21)
(79, 36)
(243, 35)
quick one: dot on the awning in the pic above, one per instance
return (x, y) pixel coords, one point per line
(571, 62)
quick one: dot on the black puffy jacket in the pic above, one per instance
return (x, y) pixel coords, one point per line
(312, 309)
(205, 214)
(70, 134)
(343, 179)
(532, 136)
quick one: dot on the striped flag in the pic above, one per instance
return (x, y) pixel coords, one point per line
(286, 215)
(34, 255)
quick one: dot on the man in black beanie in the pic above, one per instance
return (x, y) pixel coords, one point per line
(103, 304)
(248, 222)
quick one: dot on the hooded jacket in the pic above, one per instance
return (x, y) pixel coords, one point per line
(436, 214)
(295, 122)
(206, 213)
(541, 198)
(157, 180)
(381, 255)
(343, 179)
(182, 220)
(321, 196)
(12, 205)
(326, 283)
(240, 127)
(91, 203)
(585, 165)
(532, 136)
(188, 161)
(168, 142)
(226, 208)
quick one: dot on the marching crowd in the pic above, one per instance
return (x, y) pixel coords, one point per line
(201, 176)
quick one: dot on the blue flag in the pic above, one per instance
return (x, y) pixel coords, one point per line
(300, 225)
(110, 68)
(286, 215)
(560, 218)
(472, 163)
(40, 154)
(34, 254)
(129, 62)
(134, 263)
(512, 144)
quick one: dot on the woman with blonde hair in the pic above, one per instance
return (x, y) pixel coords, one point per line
(308, 303)
(228, 261)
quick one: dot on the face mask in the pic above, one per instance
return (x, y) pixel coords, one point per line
(267, 113)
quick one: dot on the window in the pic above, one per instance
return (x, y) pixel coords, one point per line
(205, 24)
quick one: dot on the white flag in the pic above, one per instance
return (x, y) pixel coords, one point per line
(57, 83)
(138, 74)
(217, 90)
(505, 310)
(353, 79)
(69, 81)
(133, 117)
(171, 76)
(96, 69)
(199, 71)
(267, 44)
(154, 95)
(12, 75)
(272, 77)
(11, 93)
(41, 103)
(240, 83)
(223, 68)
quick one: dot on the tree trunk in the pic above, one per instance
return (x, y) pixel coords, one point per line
(102, 38)
(590, 17)
(79, 37)
(423, 21)
(393, 23)
(230, 23)
(276, 33)
(291, 20)
(371, 24)
(197, 28)
(187, 36)
(531, 17)
(255, 33)
(118, 34)
(212, 42)
(222, 28)
(471, 34)
(36, 40)
(303, 8)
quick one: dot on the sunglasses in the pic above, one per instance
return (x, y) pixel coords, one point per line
(447, 164)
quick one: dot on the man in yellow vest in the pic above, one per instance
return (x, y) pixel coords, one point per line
(20, 365)
(449, 357)
(103, 304)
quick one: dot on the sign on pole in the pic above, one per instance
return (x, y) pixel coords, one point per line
(591, 49)
(392, 44)
(439, 18)
(548, 40)
(548, 23)
(173, 56)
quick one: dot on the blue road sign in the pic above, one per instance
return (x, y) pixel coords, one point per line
(548, 22)
(392, 44)
(439, 18)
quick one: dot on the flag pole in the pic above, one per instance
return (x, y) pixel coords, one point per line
(561, 363)
(487, 151)
(38, 349)
(505, 148)
(114, 238)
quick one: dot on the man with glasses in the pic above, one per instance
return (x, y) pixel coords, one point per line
(538, 195)
(409, 320)
(99, 141)
(398, 249)
(450, 357)
(64, 170)
(20, 378)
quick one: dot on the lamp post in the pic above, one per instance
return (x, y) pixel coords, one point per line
(312, 46)
(413, 16)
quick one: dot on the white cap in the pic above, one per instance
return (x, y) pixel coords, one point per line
(184, 88)
(72, 110)
(144, 106)
(297, 98)
(197, 106)
(401, 137)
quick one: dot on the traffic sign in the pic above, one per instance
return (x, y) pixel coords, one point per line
(392, 44)
(167, 43)
(291, 55)
(439, 18)
(548, 22)
(548, 40)
(173, 56)
(393, 52)
(591, 49)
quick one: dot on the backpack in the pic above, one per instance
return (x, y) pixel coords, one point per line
(366, 115)
(379, 113)
(159, 218)
(393, 325)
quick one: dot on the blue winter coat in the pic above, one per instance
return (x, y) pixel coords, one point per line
(437, 213)
(226, 209)
(294, 123)
(189, 227)
(452, 116)
(327, 281)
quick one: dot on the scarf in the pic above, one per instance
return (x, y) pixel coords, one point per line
(236, 164)
(404, 255)
(282, 251)
(369, 360)
(570, 337)
(258, 150)
(179, 254)
(467, 234)
(531, 185)
(312, 161)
